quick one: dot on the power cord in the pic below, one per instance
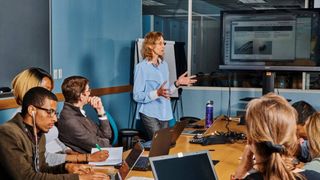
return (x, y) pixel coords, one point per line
(229, 103)
(234, 136)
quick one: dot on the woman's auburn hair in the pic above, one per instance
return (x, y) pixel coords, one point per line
(272, 119)
(150, 40)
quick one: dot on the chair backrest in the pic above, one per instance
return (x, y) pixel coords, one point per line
(114, 129)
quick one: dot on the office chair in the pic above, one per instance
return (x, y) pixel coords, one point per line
(114, 129)
(125, 135)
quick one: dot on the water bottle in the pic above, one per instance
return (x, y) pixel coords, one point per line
(209, 114)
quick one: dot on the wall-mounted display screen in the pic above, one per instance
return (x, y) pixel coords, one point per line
(271, 38)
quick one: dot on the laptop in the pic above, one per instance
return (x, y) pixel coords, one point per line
(203, 132)
(175, 133)
(186, 166)
(161, 142)
(134, 155)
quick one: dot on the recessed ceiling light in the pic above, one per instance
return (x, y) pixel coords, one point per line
(151, 3)
(252, 1)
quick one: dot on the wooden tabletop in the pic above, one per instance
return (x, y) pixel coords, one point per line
(227, 154)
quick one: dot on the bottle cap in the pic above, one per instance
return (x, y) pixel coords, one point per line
(210, 102)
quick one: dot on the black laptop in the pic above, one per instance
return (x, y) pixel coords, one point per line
(161, 142)
(175, 133)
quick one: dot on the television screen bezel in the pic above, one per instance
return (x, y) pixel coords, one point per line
(259, 64)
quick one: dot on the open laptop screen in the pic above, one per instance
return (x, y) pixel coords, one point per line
(134, 155)
(186, 166)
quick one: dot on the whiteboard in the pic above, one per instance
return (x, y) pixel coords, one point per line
(169, 57)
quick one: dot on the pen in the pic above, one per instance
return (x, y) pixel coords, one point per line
(98, 147)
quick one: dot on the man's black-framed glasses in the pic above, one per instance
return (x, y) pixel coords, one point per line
(51, 112)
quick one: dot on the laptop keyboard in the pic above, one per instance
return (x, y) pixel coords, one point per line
(198, 131)
(197, 141)
(143, 163)
(219, 138)
(147, 145)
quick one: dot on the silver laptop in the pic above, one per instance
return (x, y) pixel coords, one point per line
(161, 142)
(186, 166)
(133, 156)
(175, 133)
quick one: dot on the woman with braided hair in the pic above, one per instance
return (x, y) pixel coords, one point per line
(272, 141)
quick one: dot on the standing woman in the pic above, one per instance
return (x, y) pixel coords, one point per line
(151, 85)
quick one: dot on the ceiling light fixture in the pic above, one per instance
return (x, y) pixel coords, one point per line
(252, 1)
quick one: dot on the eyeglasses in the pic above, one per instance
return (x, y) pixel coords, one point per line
(51, 112)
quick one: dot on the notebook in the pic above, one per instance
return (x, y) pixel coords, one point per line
(134, 155)
(161, 142)
(175, 133)
(115, 156)
(186, 166)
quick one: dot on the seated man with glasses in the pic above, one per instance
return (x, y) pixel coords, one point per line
(22, 144)
(76, 130)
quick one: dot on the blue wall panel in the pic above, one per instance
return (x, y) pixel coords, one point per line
(94, 39)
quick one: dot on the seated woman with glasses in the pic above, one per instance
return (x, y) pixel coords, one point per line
(272, 141)
(56, 151)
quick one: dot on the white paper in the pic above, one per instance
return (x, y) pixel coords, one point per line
(115, 156)
(53, 147)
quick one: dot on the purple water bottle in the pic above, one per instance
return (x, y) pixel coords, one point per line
(209, 114)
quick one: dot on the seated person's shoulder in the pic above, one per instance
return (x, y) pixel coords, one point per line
(313, 165)
(8, 127)
(310, 174)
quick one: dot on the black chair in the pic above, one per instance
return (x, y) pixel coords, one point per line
(128, 137)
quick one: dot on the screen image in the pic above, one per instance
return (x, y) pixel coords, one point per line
(271, 37)
(263, 40)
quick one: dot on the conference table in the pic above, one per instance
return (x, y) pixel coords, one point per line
(228, 155)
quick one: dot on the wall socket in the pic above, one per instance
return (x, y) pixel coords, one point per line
(57, 73)
(60, 73)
